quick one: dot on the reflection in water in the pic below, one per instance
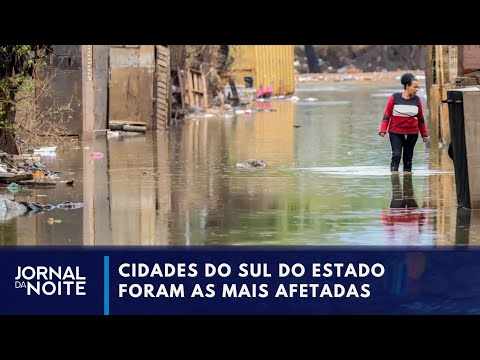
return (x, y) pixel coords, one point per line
(463, 226)
(327, 183)
(404, 220)
(468, 227)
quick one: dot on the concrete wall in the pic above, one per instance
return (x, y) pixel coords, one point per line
(131, 84)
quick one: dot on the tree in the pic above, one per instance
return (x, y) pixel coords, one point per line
(17, 65)
(312, 59)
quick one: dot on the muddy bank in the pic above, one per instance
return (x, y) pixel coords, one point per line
(382, 77)
(366, 57)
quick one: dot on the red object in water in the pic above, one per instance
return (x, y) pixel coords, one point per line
(265, 94)
(269, 90)
(260, 92)
(96, 155)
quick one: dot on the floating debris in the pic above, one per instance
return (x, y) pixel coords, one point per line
(252, 163)
(36, 207)
(10, 209)
(13, 187)
(96, 155)
(45, 150)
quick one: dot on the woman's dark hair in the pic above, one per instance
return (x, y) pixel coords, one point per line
(407, 79)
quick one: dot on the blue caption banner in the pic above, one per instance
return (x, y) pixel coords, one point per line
(235, 281)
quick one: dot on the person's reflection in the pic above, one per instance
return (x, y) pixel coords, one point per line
(462, 233)
(403, 220)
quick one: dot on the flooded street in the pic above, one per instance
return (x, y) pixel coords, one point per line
(327, 183)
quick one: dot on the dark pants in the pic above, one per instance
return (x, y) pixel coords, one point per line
(406, 143)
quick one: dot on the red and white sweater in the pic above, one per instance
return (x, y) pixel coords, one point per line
(404, 116)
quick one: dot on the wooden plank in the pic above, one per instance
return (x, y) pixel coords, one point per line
(162, 92)
(445, 117)
(163, 87)
(471, 58)
(115, 126)
(27, 157)
(37, 183)
(434, 98)
(163, 63)
(169, 111)
(205, 93)
(203, 79)
(162, 100)
(162, 123)
(162, 55)
(432, 121)
(195, 82)
(163, 108)
(182, 88)
(198, 92)
(196, 88)
(162, 50)
(191, 99)
(16, 178)
(128, 122)
(135, 128)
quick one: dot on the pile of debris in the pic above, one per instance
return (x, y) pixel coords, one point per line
(10, 209)
(21, 168)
